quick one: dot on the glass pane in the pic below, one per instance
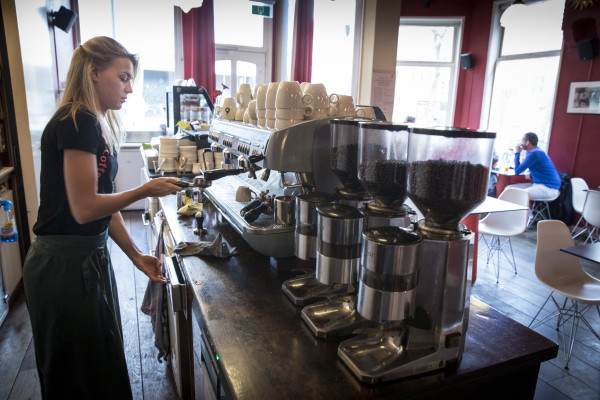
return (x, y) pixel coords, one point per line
(522, 100)
(223, 72)
(523, 36)
(235, 24)
(152, 38)
(246, 73)
(333, 44)
(422, 93)
(425, 43)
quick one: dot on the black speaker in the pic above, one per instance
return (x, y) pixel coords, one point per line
(587, 49)
(64, 18)
(466, 61)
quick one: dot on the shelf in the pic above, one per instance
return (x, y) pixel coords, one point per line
(6, 172)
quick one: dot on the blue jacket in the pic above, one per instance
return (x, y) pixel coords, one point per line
(540, 166)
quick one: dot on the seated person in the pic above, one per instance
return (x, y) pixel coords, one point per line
(493, 177)
(545, 181)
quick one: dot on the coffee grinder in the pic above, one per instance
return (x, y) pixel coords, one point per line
(343, 162)
(379, 166)
(415, 283)
(382, 171)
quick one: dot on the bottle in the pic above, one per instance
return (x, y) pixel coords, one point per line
(9, 229)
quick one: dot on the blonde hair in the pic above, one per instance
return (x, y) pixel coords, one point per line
(80, 95)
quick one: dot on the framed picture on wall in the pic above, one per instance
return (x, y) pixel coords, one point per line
(584, 98)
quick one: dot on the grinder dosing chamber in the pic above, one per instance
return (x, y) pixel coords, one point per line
(448, 177)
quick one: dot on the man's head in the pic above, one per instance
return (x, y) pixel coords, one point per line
(529, 141)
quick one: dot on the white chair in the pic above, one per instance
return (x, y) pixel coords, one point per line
(540, 210)
(579, 188)
(504, 225)
(591, 214)
(562, 273)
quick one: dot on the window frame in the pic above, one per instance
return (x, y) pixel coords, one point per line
(494, 59)
(453, 64)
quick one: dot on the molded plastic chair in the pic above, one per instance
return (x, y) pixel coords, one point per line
(579, 187)
(562, 273)
(591, 214)
(540, 210)
(504, 225)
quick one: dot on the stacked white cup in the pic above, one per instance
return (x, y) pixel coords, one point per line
(190, 154)
(316, 101)
(270, 104)
(252, 117)
(341, 106)
(261, 108)
(229, 109)
(168, 152)
(289, 106)
(243, 97)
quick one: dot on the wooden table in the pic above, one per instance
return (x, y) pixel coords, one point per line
(507, 178)
(489, 205)
(590, 252)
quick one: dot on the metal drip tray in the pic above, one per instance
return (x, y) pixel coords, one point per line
(383, 356)
(334, 317)
(306, 289)
(263, 235)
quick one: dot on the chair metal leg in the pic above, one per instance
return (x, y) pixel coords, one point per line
(584, 229)
(540, 310)
(590, 237)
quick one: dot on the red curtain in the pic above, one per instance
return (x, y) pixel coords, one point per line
(198, 29)
(304, 41)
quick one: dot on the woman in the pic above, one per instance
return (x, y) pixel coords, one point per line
(68, 277)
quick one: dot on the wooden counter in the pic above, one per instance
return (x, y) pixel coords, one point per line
(265, 350)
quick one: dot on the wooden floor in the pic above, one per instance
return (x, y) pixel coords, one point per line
(519, 296)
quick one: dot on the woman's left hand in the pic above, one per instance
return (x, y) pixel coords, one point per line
(150, 266)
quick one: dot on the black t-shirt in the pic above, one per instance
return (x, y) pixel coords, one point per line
(54, 214)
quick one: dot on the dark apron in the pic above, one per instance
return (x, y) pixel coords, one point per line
(74, 309)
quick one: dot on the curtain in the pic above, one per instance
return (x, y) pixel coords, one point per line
(198, 30)
(303, 41)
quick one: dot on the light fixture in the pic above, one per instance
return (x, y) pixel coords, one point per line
(511, 12)
(63, 18)
(187, 5)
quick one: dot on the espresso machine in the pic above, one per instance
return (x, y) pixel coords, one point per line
(414, 283)
(293, 161)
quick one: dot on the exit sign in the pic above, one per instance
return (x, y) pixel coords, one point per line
(264, 11)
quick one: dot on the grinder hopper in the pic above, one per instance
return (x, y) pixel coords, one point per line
(449, 171)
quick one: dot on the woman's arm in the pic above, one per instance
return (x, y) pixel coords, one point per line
(86, 204)
(149, 265)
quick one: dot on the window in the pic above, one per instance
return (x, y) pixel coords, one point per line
(426, 70)
(524, 68)
(242, 45)
(148, 33)
(335, 38)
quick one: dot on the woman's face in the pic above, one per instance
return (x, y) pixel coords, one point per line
(113, 84)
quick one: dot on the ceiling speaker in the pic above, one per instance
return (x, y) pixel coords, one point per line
(64, 19)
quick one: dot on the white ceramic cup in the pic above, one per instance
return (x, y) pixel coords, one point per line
(365, 112)
(246, 118)
(289, 113)
(228, 109)
(303, 85)
(315, 94)
(196, 168)
(252, 109)
(261, 97)
(270, 123)
(271, 95)
(345, 106)
(244, 94)
(262, 122)
(239, 114)
(315, 113)
(289, 95)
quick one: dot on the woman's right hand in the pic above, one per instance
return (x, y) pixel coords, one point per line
(160, 187)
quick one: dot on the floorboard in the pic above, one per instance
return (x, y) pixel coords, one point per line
(517, 295)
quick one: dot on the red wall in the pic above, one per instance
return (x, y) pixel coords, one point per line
(574, 138)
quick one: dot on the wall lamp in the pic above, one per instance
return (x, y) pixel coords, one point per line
(63, 18)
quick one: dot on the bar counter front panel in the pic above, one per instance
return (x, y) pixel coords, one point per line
(262, 349)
